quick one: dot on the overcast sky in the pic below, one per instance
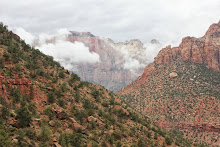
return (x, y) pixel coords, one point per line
(165, 20)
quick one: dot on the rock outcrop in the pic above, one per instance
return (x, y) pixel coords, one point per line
(173, 75)
(199, 126)
(203, 50)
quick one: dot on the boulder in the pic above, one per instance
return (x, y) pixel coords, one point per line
(117, 107)
(173, 75)
(15, 140)
(77, 126)
(52, 123)
(90, 118)
(72, 120)
(57, 144)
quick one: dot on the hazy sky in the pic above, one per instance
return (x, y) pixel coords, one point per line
(165, 20)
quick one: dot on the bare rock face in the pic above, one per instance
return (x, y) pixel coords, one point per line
(199, 126)
(77, 126)
(203, 50)
(119, 63)
(111, 72)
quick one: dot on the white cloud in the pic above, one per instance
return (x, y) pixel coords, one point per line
(67, 53)
(119, 20)
(133, 64)
(151, 51)
(28, 37)
(135, 55)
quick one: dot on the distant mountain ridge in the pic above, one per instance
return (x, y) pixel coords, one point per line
(111, 72)
(81, 34)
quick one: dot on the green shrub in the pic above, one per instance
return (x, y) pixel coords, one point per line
(6, 56)
(4, 112)
(4, 138)
(49, 112)
(87, 104)
(61, 74)
(45, 134)
(31, 93)
(95, 144)
(40, 72)
(15, 93)
(61, 102)
(77, 96)
(118, 144)
(168, 140)
(74, 77)
(17, 67)
(149, 134)
(105, 104)
(2, 65)
(155, 136)
(75, 139)
(50, 97)
(30, 133)
(64, 140)
(117, 135)
(23, 117)
(141, 143)
(95, 94)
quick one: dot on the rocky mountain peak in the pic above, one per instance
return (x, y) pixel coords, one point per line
(81, 34)
(213, 29)
(154, 41)
(203, 50)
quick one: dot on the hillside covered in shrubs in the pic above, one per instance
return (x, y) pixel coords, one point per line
(42, 104)
(181, 88)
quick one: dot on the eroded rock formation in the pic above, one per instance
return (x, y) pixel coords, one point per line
(203, 50)
(114, 70)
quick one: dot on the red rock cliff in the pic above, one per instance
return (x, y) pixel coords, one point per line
(203, 50)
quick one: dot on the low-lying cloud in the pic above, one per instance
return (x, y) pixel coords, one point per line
(26, 36)
(67, 53)
(136, 56)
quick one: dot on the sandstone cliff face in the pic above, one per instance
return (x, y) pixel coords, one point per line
(114, 70)
(203, 50)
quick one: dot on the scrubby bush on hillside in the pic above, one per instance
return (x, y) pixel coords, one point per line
(61, 74)
(74, 77)
(4, 137)
(2, 65)
(45, 135)
(23, 116)
(50, 97)
(4, 112)
(75, 139)
(168, 140)
(15, 93)
(49, 112)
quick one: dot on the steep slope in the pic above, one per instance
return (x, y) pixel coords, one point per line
(42, 104)
(181, 88)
